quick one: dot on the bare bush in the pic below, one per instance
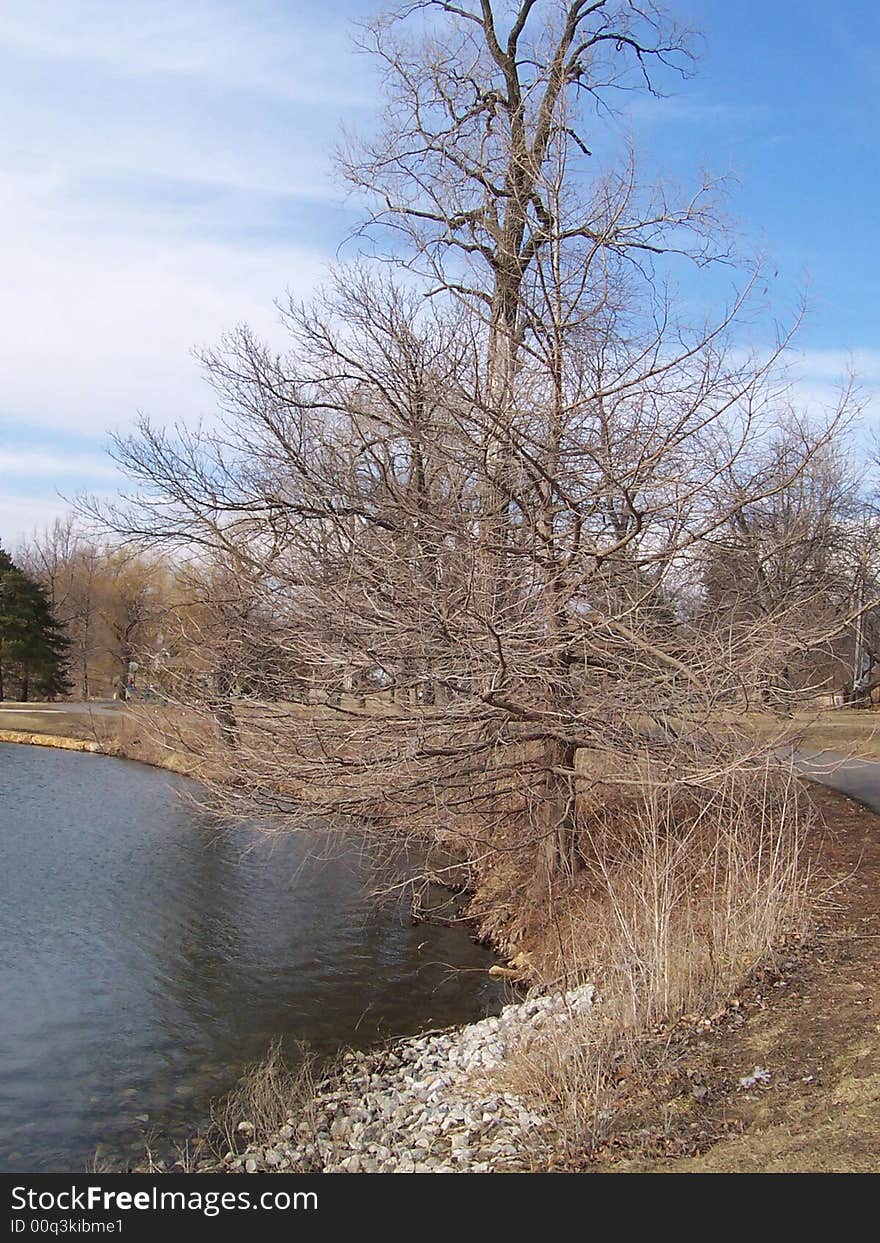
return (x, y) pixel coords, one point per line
(268, 1093)
(697, 887)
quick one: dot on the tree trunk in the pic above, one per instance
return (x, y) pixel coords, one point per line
(556, 817)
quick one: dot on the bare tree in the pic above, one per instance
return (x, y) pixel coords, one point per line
(805, 553)
(67, 564)
(349, 490)
(473, 501)
(109, 600)
(482, 109)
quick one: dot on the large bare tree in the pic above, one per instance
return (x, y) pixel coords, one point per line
(473, 499)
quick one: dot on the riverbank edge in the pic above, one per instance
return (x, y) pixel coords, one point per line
(116, 749)
(784, 1078)
(361, 1075)
(59, 741)
(432, 1081)
(436, 1102)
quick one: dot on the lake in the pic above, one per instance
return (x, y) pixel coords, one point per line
(148, 956)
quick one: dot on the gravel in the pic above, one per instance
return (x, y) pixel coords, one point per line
(430, 1103)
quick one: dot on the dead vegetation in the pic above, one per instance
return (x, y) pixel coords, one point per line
(679, 901)
(809, 1020)
(268, 1093)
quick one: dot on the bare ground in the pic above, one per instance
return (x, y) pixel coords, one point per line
(813, 1026)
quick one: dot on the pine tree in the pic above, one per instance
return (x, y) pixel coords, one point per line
(33, 645)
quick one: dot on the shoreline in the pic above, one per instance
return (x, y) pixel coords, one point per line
(431, 1103)
(431, 1096)
(783, 1075)
(113, 749)
(439, 1102)
(59, 741)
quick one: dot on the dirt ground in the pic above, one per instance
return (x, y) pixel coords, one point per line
(807, 1034)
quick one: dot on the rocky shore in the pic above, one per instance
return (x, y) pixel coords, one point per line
(59, 741)
(429, 1104)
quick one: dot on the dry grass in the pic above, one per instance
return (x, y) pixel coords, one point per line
(854, 732)
(683, 895)
(72, 722)
(268, 1094)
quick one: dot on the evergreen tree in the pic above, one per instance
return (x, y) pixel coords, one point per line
(33, 645)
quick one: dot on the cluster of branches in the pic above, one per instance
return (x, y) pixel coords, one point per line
(500, 507)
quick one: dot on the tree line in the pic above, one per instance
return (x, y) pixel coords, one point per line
(100, 611)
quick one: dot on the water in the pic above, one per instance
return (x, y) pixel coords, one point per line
(146, 958)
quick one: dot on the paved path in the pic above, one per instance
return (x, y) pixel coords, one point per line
(858, 778)
(98, 707)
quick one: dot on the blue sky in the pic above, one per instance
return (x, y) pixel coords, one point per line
(165, 174)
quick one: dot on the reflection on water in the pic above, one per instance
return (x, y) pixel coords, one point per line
(147, 957)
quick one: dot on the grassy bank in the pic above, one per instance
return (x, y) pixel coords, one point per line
(162, 738)
(162, 730)
(810, 1022)
(58, 741)
(780, 1071)
(848, 732)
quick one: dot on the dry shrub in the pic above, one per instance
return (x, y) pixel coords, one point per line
(568, 1076)
(692, 892)
(683, 894)
(268, 1093)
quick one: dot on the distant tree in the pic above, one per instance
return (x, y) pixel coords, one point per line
(5, 567)
(803, 557)
(111, 602)
(68, 564)
(33, 645)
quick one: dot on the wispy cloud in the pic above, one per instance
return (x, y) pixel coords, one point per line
(691, 109)
(19, 516)
(164, 175)
(836, 365)
(97, 326)
(268, 47)
(37, 464)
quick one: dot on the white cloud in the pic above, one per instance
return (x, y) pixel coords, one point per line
(20, 516)
(268, 47)
(146, 199)
(40, 464)
(94, 328)
(820, 378)
(835, 365)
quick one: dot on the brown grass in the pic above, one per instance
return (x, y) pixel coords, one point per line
(682, 897)
(268, 1094)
